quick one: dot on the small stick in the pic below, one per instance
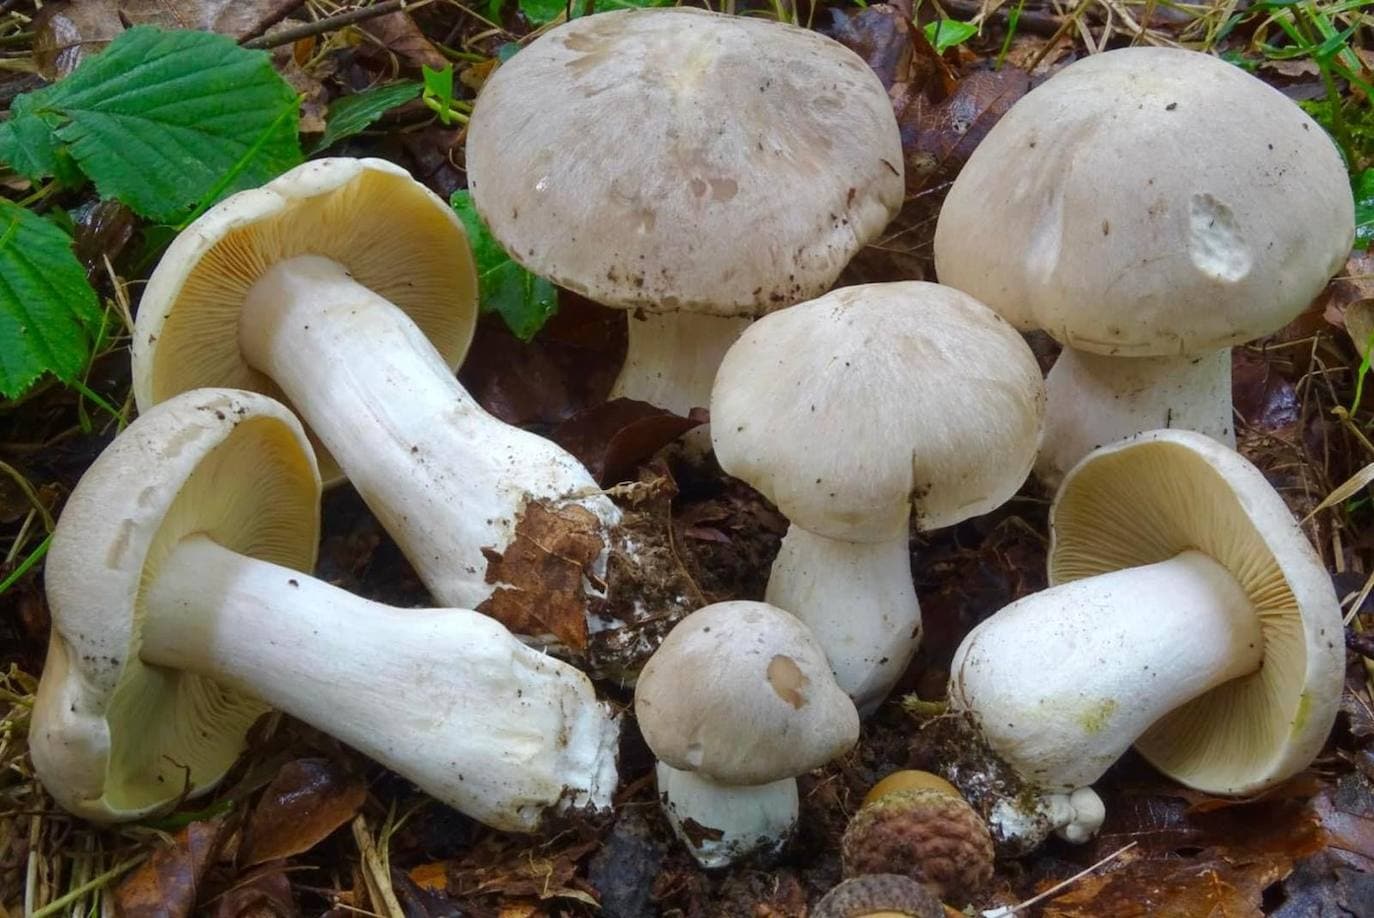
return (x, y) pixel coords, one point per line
(330, 23)
(1007, 911)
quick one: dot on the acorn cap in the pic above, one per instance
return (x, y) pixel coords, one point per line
(1149, 202)
(713, 123)
(393, 235)
(933, 837)
(857, 409)
(742, 693)
(1147, 499)
(113, 738)
(879, 896)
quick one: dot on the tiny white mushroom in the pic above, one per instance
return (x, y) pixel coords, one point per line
(712, 122)
(181, 612)
(736, 702)
(854, 411)
(1149, 208)
(1187, 616)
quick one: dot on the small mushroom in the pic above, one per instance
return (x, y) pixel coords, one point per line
(854, 411)
(879, 895)
(1149, 208)
(694, 224)
(1187, 615)
(181, 613)
(736, 702)
(347, 289)
(916, 823)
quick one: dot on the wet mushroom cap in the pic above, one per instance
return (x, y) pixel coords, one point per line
(1149, 202)
(714, 122)
(111, 736)
(870, 403)
(741, 693)
(392, 234)
(1149, 498)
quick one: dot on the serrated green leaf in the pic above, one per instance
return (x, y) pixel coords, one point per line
(27, 142)
(524, 300)
(159, 119)
(353, 114)
(47, 307)
(944, 34)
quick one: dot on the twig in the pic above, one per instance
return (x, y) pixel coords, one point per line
(1031, 21)
(330, 23)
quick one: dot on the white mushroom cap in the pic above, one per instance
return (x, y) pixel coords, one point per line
(1148, 499)
(855, 409)
(113, 737)
(388, 231)
(1147, 202)
(652, 159)
(741, 693)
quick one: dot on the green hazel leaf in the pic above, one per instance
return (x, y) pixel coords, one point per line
(1363, 186)
(28, 144)
(524, 300)
(438, 83)
(354, 114)
(47, 307)
(164, 121)
(944, 34)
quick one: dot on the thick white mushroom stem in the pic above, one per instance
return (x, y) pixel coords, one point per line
(1093, 400)
(442, 475)
(721, 823)
(1062, 682)
(859, 602)
(672, 358)
(445, 697)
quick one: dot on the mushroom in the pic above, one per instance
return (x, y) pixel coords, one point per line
(879, 895)
(181, 613)
(918, 824)
(1187, 615)
(713, 122)
(853, 411)
(736, 702)
(1149, 208)
(348, 289)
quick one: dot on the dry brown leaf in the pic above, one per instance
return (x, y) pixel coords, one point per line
(264, 893)
(239, 19)
(66, 33)
(613, 438)
(167, 885)
(306, 801)
(1141, 887)
(541, 573)
(398, 34)
(430, 877)
(939, 137)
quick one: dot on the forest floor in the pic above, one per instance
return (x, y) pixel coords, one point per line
(305, 826)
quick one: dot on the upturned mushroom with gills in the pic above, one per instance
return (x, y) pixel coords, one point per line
(1149, 208)
(857, 413)
(714, 122)
(1187, 615)
(736, 703)
(347, 289)
(182, 611)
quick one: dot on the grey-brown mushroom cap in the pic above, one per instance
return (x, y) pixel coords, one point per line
(872, 403)
(874, 894)
(741, 693)
(1149, 201)
(113, 738)
(678, 159)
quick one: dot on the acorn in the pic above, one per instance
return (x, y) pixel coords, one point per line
(882, 895)
(916, 824)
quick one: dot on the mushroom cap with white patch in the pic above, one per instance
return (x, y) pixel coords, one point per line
(392, 234)
(1147, 499)
(113, 737)
(859, 408)
(678, 159)
(1149, 202)
(741, 693)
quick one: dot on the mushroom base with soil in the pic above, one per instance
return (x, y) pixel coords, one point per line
(819, 580)
(1127, 648)
(721, 823)
(447, 697)
(1094, 400)
(672, 357)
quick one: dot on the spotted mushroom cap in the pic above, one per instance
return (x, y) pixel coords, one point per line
(742, 693)
(679, 159)
(1149, 202)
(113, 738)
